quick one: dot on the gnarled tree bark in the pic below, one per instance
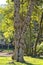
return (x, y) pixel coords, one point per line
(20, 29)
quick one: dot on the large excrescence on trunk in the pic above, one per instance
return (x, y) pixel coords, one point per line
(19, 40)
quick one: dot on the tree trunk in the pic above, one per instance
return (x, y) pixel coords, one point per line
(39, 35)
(27, 19)
(30, 40)
(19, 40)
(19, 52)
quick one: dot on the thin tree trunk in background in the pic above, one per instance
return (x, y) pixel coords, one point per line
(39, 35)
(30, 40)
(27, 19)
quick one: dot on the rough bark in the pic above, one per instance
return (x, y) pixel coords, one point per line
(30, 40)
(20, 29)
(19, 52)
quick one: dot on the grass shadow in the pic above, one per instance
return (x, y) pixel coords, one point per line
(40, 57)
(11, 63)
(21, 63)
(37, 57)
(26, 63)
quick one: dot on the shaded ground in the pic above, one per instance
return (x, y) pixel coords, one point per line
(6, 53)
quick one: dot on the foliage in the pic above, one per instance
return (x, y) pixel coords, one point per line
(7, 22)
(40, 48)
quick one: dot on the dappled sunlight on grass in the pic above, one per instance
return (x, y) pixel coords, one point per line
(34, 61)
(4, 60)
(28, 61)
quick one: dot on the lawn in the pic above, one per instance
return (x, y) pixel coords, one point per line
(28, 61)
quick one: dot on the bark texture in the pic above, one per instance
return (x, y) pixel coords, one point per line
(19, 52)
(20, 28)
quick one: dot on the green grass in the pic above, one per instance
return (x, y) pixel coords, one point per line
(28, 61)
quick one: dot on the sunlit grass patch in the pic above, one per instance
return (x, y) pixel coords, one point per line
(34, 61)
(28, 61)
